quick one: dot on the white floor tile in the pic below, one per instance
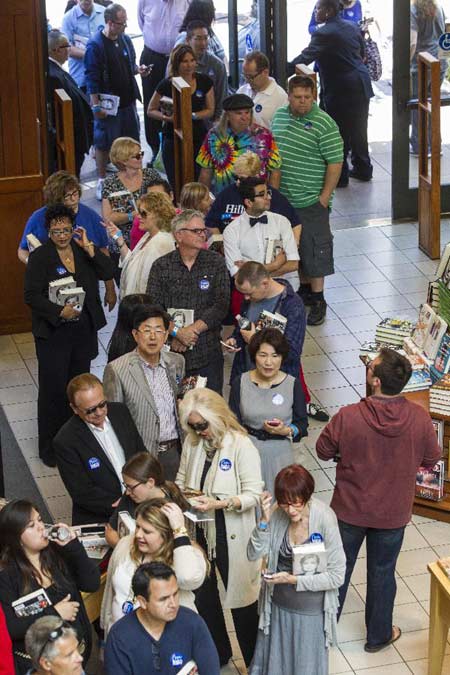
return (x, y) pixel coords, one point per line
(394, 669)
(21, 338)
(15, 378)
(414, 645)
(338, 665)
(414, 562)
(22, 394)
(7, 346)
(316, 364)
(411, 617)
(436, 533)
(353, 602)
(358, 658)
(413, 539)
(351, 627)
(20, 411)
(419, 584)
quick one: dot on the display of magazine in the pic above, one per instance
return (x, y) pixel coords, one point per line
(126, 524)
(423, 325)
(181, 317)
(310, 558)
(32, 242)
(269, 320)
(55, 287)
(191, 382)
(441, 363)
(31, 604)
(110, 103)
(437, 331)
(430, 482)
(273, 248)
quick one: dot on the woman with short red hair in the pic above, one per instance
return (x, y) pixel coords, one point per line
(299, 595)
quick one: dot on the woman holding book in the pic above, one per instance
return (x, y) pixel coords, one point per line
(297, 611)
(143, 479)
(55, 570)
(160, 535)
(155, 217)
(220, 460)
(182, 64)
(269, 403)
(65, 335)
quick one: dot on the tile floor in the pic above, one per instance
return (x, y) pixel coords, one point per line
(379, 271)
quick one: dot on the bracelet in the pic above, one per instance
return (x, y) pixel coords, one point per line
(230, 505)
(117, 235)
(180, 530)
(174, 332)
(130, 217)
(89, 244)
(96, 108)
(294, 430)
(263, 526)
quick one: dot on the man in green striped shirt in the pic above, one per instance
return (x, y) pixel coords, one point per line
(311, 150)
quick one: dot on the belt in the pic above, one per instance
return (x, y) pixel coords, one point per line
(169, 445)
(263, 435)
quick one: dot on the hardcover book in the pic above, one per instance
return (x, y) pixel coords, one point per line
(32, 242)
(441, 363)
(271, 320)
(55, 287)
(436, 332)
(126, 524)
(309, 559)
(273, 248)
(31, 604)
(423, 325)
(430, 482)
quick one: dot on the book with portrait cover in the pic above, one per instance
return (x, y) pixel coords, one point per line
(55, 287)
(181, 317)
(273, 248)
(310, 558)
(271, 320)
(430, 482)
(126, 524)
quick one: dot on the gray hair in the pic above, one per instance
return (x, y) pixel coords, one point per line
(112, 11)
(54, 38)
(37, 638)
(184, 218)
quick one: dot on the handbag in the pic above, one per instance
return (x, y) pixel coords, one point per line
(373, 59)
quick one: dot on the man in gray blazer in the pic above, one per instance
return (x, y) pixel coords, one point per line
(146, 380)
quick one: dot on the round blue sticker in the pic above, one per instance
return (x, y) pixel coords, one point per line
(203, 284)
(278, 399)
(127, 607)
(225, 464)
(316, 537)
(177, 659)
(94, 462)
(258, 107)
(61, 270)
(444, 42)
(307, 125)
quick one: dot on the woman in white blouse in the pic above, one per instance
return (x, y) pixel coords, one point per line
(160, 535)
(155, 216)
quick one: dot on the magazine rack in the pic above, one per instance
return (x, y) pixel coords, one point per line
(65, 143)
(182, 131)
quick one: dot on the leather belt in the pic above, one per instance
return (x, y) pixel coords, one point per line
(169, 445)
(263, 435)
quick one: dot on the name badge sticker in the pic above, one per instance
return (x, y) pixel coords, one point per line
(316, 538)
(277, 399)
(94, 463)
(127, 607)
(203, 284)
(61, 270)
(225, 464)
(177, 659)
(258, 107)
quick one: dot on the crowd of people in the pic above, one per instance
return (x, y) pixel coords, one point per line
(156, 438)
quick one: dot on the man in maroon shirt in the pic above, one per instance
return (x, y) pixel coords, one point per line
(378, 444)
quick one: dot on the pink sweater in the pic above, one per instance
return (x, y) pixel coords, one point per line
(381, 442)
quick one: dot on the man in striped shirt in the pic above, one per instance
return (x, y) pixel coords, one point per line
(311, 150)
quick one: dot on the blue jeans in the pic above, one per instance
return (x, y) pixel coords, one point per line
(383, 547)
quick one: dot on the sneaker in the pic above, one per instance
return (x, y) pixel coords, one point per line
(317, 313)
(316, 412)
(305, 296)
(359, 176)
(99, 188)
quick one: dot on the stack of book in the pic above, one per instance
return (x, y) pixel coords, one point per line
(393, 331)
(440, 396)
(419, 380)
(370, 350)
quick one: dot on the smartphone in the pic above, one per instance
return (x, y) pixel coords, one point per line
(273, 423)
(233, 349)
(268, 575)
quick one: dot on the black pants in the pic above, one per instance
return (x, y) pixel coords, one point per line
(149, 84)
(351, 114)
(245, 619)
(65, 354)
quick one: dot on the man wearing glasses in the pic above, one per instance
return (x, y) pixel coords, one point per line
(192, 278)
(159, 636)
(91, 449)
(266, 94)
(261, 235)
(110, 66)
(146, 380)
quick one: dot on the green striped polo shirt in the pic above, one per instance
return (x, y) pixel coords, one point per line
(307, 145)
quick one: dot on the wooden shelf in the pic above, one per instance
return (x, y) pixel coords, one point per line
(437, 510)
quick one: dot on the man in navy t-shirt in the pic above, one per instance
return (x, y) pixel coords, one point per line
(160, 637)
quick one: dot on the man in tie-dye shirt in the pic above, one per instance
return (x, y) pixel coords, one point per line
(235, 134)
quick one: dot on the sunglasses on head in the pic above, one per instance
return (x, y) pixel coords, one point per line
(198, 426)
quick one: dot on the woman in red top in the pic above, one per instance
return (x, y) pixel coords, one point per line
(6, 656)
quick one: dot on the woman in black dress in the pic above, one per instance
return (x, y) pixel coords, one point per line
(65, 335)
(29, 562)
(183, 64)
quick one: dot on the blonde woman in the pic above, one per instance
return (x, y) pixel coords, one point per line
(160, 535)
(155, 216)
(196, 196)
(220, 460)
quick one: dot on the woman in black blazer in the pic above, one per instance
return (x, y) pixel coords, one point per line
(65, 338)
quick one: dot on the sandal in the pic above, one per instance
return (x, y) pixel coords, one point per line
(376, 648)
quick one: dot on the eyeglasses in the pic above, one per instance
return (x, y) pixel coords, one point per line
(195, 230)
(139, 155)
(71, 195)
(250, 78)
(132, 488)
(56, 634)
(119, 23)
(297, 505)
(101, 405)
(64, 47)
(143, 213)
(62, 231)
(266, 193)
(149, 330)
(198, 426)
(156, 657)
